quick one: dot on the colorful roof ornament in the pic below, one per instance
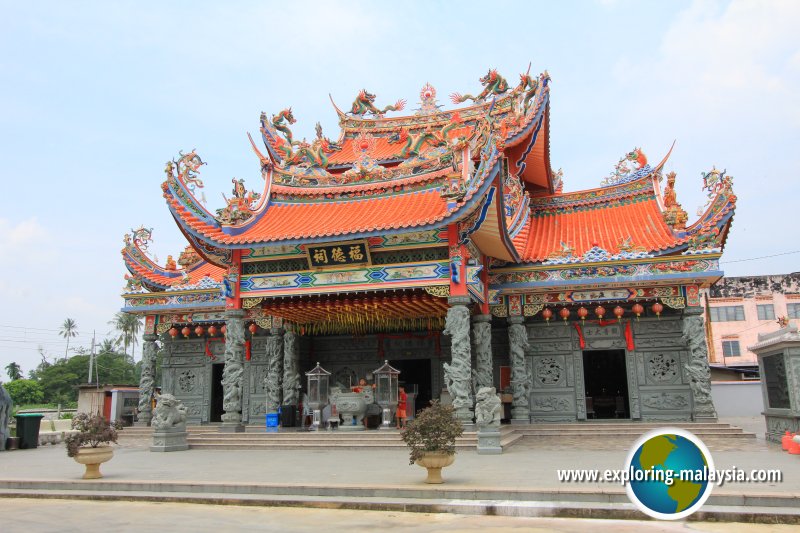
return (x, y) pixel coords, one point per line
(674, 214)
(427, 96)
(630, 167)
(240, 208)
(364, 104)
(493, 85)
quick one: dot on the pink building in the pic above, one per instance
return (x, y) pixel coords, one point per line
(739, 309)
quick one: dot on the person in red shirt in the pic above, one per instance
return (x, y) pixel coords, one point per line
(402, 398)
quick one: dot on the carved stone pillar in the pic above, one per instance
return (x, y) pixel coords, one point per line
(272, 381)
(233, 372)
(697, 370)
(520, 380)
(482, 339)
(458, 374)
(291, 374)
(147, 379)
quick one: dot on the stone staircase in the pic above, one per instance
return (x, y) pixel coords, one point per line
(255, 437)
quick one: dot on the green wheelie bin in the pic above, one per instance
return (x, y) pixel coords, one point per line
(28, 430)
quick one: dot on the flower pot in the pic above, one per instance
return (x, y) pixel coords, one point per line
(93, 458)
(12, 443)
(434, 462)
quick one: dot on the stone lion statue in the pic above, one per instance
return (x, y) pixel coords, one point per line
(169, 413)
(487, 408)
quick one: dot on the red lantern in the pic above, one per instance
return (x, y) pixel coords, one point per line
(223, 329)
(583, 313)
(657, 309)
(173, 332)
(564, 313)
(253, 328)
(618, 312)
(547, 314)
(212, 331)
(199, 331)
(600, 311)
(186, 331)
(637, 310)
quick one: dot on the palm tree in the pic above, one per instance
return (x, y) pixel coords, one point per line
(68, 329)
(107, 346)
(128, 326)
(14, 371)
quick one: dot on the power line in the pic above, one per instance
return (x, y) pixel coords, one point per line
(756, 258)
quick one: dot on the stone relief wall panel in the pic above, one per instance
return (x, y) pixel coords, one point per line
(258, 350)
(549, 371)
(580, 388)
(662, 367)
(666, 400)
(631, 368)
(547, 403)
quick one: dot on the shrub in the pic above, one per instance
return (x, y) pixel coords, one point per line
(92, 430)
(24, 391)
(434, 429)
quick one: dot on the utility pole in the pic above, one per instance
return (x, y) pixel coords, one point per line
(91, 359)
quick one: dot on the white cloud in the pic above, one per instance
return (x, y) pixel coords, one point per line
(26, 233)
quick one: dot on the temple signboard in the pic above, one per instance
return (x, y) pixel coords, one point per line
(338, 254)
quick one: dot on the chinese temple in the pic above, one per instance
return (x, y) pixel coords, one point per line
(443, 242)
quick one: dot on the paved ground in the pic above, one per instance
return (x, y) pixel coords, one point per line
(529, 465)
(29, 515)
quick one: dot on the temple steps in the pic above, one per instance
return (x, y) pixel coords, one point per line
(255, 436)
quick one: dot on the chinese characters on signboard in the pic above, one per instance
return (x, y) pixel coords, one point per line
(332, 255)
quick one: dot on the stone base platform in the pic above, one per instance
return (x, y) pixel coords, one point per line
(170, 440)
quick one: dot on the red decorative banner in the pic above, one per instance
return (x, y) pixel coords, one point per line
(629, 336)
(247, 350)
(580, 335)
(208, 350)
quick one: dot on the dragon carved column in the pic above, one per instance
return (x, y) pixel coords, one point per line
(233, 372)
(520, 381)
(697, 369)
(482, 340)
(458, 374)
(291, 374)
(147, 379)
(272, 381)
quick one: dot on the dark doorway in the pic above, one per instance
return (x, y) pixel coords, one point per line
(216, 392)
(415, 373)
(606, 382)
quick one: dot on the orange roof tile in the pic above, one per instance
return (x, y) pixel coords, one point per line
(605, 226)
(284, 221)
(202, 270)
(206, 269)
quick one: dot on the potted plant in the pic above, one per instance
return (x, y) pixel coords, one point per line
(431, 436)
(89, 446)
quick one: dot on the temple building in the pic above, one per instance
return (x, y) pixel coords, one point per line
(441, 241)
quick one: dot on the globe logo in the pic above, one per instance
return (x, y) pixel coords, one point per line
(668, 471)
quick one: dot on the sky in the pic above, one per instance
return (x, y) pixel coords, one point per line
(96, 96)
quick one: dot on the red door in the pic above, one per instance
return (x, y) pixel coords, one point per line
(107, 406)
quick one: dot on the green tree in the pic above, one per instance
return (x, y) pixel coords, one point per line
(60, 380)
(24, 391)
(14, 371)
(68, 329)
(128, 326)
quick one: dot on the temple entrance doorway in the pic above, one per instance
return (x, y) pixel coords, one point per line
(415, 375)
(606, 380)
(217, 393)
